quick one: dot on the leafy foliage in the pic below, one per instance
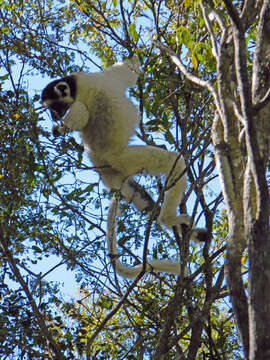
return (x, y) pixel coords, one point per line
(53, 207)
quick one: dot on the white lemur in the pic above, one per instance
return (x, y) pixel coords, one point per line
(106, 119)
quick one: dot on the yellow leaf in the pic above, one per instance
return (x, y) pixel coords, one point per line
(188, 3)
(17, 116)
(244, 259)
(194, 61)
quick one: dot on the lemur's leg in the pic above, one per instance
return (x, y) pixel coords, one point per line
(129, 188)
(135, 193)
(156, 161)
(125, 72)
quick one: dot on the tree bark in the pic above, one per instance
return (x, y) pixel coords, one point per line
(256, 190)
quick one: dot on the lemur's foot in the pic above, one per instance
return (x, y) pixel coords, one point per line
(134, 63)
(199, 234)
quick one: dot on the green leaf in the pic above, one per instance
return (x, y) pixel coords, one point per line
(4, 77)
(36, 249)
(133, 32)
(71, 195)
(90, 187)
(169, 137)
(183, 35)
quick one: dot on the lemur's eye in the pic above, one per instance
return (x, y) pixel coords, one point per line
(63, 89)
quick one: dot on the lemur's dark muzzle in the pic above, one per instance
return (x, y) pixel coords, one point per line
(58, 110)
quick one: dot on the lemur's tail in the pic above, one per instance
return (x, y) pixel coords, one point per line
(132, 272)
(135, 193)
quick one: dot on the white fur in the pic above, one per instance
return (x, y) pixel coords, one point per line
(152, 266)
(106, 119)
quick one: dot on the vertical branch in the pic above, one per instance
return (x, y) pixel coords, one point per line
(236, 240)
(231, 169)
(256, 216)
(257, 226)
(163, 346)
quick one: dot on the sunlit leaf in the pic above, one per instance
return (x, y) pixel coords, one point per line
(133, 32)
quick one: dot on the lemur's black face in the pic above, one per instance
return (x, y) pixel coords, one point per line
(58, 109)
(59, 95)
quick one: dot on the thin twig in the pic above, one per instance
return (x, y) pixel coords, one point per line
(210, 30)
(196, 80)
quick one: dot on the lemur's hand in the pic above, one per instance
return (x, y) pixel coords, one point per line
(134, 64)
(59, 130)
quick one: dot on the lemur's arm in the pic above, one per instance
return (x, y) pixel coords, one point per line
(77, 117)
